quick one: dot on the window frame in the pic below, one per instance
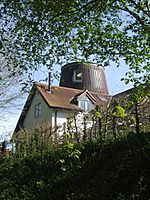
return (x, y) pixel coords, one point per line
(77, 78)
(85, 105)
(38, 110)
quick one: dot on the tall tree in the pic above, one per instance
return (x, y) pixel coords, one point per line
(51, 32)
(10, 89)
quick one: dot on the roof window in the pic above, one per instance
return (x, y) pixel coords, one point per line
(77, 76)
(102, 98)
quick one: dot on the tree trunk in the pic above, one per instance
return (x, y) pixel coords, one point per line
(137, 126)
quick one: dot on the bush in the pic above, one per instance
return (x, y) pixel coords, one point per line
(97, 169)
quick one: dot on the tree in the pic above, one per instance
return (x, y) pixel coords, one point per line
(10, 90)
(54, 32)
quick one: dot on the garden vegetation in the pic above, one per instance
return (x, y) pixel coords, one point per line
(101, 168)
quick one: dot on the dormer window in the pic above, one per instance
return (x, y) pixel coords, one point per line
(77, 76)
(85, 105)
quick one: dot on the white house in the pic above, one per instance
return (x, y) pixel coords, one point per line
(82, 87)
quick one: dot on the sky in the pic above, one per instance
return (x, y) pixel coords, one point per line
(113, 77)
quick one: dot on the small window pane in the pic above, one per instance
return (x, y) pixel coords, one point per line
(82, 105)
(85, 105)
(89, 106)
(38, 110)
(102, 98)
(77, 76)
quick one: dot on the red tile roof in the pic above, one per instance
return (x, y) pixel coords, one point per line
(61, 97)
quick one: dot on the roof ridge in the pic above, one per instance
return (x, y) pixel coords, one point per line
(69, 88)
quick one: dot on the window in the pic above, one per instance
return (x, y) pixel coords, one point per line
(82, 105)
(102, 98)
(85, 105)
(77, 76)
(38, 110)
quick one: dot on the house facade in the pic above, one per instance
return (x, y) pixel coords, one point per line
(69, 106)
(82, 88)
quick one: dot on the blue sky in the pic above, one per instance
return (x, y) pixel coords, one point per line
(113, 76)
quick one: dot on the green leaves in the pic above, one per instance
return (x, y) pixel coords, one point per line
(119, 111)
(107, 171)
(100, 31)
(98, 115)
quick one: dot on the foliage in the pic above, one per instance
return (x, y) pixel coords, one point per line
(118, 111)
(37, 141)
(35, 33)
(104, 169)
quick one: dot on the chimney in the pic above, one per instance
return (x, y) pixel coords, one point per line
(49, 82)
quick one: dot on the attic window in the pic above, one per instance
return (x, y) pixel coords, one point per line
(85, 105)
(38, 110)
(77, 76)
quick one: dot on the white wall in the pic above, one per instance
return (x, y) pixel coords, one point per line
(59, 119)
(62, 121)
(30, 120)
